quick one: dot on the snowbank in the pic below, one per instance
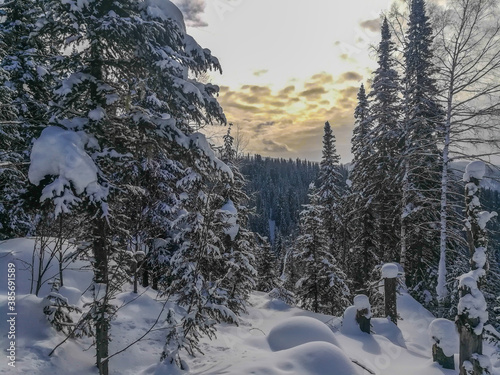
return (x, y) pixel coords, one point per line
(313, 358)
(297, 331)
(237, 350)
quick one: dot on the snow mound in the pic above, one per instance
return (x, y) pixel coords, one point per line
(386, 328)
(475, 169)
(349, 324)
(443, 332)
(313, 358)
(389, 271)
(299, 330)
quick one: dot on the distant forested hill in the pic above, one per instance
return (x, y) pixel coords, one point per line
(278, 188)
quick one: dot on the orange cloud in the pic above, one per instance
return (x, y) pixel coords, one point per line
(289, 121)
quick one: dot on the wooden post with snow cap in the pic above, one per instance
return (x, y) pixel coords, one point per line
(363, 312)
(443, 335)
(472, 314)
(389, 275)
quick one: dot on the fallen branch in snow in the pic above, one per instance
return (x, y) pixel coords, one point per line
(141, 337)
(362, 366)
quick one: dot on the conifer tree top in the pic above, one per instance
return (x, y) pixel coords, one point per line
(330, 156)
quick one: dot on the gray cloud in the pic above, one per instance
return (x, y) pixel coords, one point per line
(273, 146)
(192, 11)
(350, 76)
(372, 25)
(314, 93)
(263, 125)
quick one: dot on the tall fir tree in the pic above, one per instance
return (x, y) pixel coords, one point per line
(321, 286)
(329, 193)
(123, 89)
(27, 80)
(267, 267)
(213, 269)
(385, 114)
(364, 255)
(422, 126)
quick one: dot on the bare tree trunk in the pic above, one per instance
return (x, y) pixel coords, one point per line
(441, 289)
(101, 280)
(145, 273)
(406, 189)
(60, 250)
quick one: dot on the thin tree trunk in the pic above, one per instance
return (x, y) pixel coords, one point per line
(59, 250)
(441, 289)
(101, 276)
(145, 273)
(101, 280)
(404, 244)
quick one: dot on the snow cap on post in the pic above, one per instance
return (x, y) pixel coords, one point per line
(475, 169)
(362, 302)
(443, 333)
(389, 271)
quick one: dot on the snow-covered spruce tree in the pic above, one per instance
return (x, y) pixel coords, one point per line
(321, 286)
(238, 269)
(24, 59)
(330, 192)
(212, 271)
(491, 287)
(362, 221)
(10, 158)
(198, 267)
(472, 314)
(144, 212)
(385, 115)
(422, 128)
(124, 85)
(267, 267)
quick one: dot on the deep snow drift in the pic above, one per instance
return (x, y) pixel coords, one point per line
(272, 338)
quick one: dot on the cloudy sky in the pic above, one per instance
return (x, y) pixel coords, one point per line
(289, 66)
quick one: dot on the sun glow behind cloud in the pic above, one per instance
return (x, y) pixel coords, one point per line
(289, 66)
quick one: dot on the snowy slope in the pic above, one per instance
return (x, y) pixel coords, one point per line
(271, 339)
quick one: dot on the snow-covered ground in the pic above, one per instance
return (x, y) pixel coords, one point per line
(271, 339)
